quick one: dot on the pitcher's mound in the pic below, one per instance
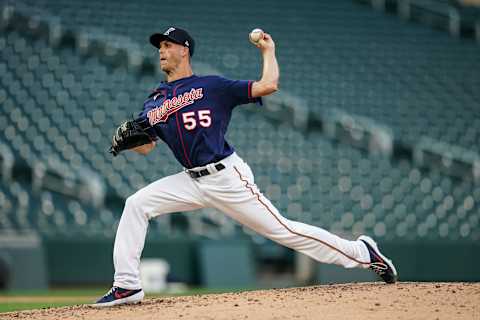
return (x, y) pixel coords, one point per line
(348, 301)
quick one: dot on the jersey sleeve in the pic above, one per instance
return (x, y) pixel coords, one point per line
(238, 92)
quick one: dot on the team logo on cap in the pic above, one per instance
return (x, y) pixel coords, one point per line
(166, 33)
(187, 43)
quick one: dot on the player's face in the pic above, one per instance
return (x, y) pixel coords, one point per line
(171, 54)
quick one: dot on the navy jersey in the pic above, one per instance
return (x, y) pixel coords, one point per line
(191, 116)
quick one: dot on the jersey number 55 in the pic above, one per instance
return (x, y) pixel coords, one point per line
(190, 120)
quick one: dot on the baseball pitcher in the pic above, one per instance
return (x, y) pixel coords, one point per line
(191, 114)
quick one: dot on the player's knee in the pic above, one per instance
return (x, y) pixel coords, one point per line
(282, 231)
(132, 201)
(273, 232)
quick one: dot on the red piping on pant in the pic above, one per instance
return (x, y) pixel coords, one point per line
(290, 230)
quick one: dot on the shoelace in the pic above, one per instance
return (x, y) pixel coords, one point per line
(110, 291)
(378, 267)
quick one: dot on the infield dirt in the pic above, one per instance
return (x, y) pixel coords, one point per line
(349, 301)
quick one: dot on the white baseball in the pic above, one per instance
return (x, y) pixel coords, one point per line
(255, 36)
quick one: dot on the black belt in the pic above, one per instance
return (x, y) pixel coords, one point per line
(204, 172)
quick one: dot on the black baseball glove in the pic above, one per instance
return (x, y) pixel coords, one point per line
(129, 134)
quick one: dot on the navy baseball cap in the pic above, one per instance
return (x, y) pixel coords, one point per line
(176, 35)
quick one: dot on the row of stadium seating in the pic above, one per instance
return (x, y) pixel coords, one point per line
(340, 188)
(418, 81)
(23, 209)
(461, 18)
(55, 103)
(58, 104)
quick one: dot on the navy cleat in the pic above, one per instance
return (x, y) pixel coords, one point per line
(379, 263)
(117, 296)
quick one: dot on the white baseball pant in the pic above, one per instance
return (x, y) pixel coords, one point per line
(232, 191)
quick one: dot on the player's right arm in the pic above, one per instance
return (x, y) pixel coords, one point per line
(145, 149)
(268, 84)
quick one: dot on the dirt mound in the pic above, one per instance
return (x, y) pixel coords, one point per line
(349, 301)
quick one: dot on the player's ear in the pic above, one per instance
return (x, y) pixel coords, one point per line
(185, 51)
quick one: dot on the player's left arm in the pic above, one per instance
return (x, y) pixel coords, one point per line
(268, 84)
(144, 149)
